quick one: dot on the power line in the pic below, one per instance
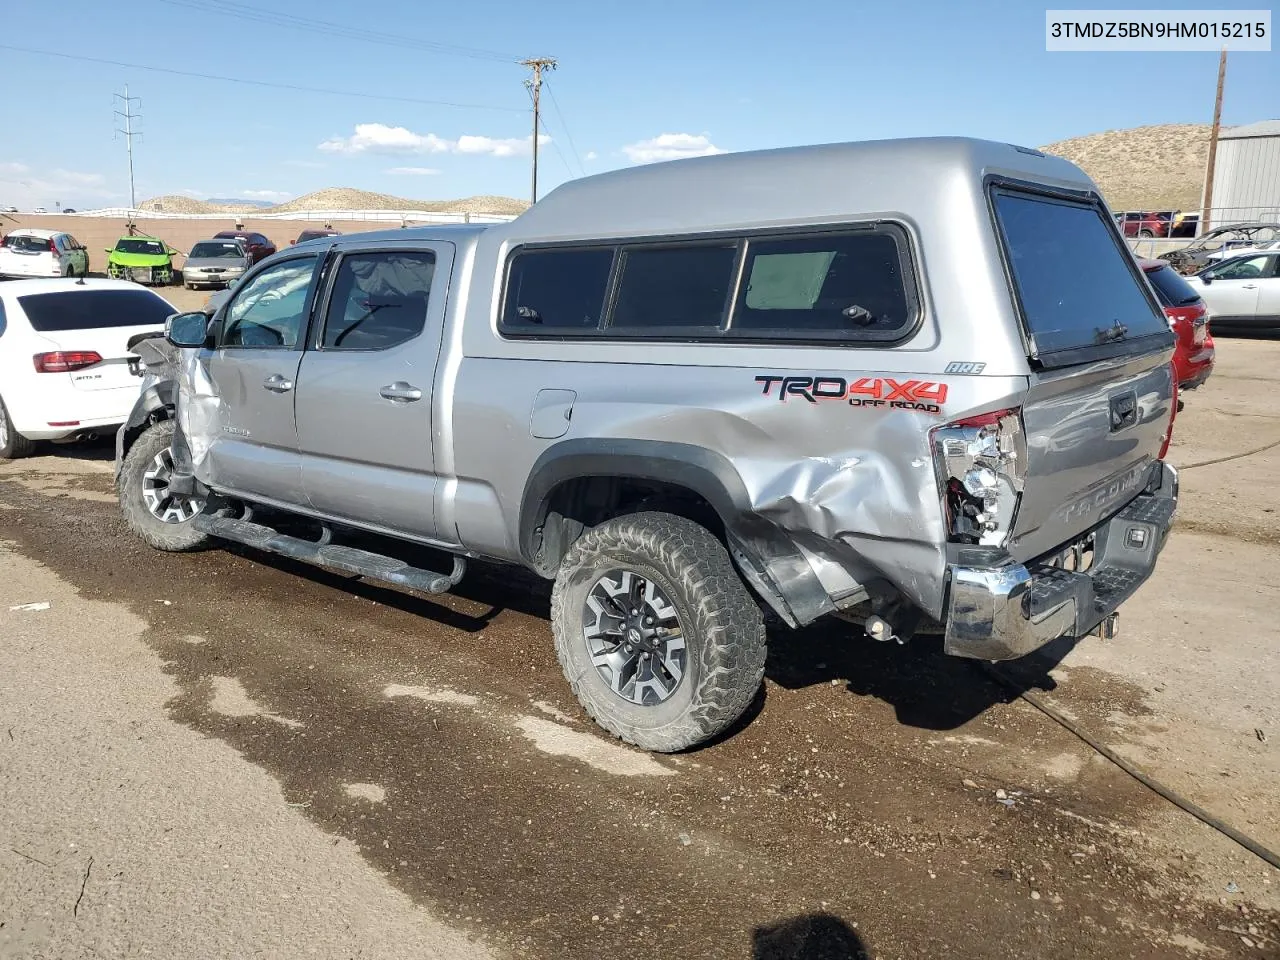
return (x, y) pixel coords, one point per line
(542, 124)
(262, 83)
(565, 127)
(243, 11)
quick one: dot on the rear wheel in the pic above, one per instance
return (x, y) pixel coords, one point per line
(13, 445)
(157, 515)
(658, 636)
(1145, 234)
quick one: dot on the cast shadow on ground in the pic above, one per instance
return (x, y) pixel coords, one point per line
(926, 688)
(815, 936)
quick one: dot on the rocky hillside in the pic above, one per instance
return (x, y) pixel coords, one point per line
(1145, 168)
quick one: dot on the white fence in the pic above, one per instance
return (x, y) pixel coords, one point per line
(373, 216)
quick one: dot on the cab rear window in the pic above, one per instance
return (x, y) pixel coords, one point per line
(1079, 290)
(94, 310)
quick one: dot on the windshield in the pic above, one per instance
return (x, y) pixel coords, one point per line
(22, 244)
(210, 249)
(1171, 289)
(1076, 283)
(134, 245)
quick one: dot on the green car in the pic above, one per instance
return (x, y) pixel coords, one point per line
(141, 259)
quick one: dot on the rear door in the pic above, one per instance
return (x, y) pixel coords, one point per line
(364, 389)
(1101, 392)
(260, 335)
(1269, 296)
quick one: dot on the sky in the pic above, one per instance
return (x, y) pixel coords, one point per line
(426, 99)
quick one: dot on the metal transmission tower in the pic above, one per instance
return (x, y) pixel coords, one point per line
(537, 65)
(128, 116)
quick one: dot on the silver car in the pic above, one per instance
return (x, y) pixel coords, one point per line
(215, 263)
(853, 380)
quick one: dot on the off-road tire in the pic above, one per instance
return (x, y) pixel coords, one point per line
(170, 537)
(15, 446)
(721, 623)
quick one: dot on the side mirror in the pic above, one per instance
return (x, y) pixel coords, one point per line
(187, 329)
(1207, 277)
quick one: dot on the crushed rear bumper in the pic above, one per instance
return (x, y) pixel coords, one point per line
(1006, 610)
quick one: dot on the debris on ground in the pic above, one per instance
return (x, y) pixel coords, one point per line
(39, 605)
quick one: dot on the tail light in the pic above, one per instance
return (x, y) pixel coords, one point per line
(981, 463)
(1173, 412)
(53, 248)
(64, 361)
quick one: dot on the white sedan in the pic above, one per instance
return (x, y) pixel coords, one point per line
(64, 357)
(1242, 293)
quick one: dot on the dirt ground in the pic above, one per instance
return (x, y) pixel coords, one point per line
(226, 754)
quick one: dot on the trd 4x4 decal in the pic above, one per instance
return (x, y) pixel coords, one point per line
(926, 396)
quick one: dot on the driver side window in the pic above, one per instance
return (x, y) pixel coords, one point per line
(1249, 269)
(271, 309)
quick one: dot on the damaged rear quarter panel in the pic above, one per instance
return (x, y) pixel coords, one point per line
(851, 486)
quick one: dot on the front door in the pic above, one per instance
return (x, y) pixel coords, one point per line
(1232, 295)
(254, 369)
(364, 389)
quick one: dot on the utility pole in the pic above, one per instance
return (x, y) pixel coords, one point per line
(537, 65)
(1207, 214)
(128, 116)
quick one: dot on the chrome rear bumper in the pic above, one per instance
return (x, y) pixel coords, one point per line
(1007, 610)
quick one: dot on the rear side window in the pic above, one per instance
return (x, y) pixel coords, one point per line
(1076, 284)
(23, 244)
(557, 290)
(1171, 289)
(837, 285)
(94, 310)
(3, 321)
(378, 300)
(683, 286)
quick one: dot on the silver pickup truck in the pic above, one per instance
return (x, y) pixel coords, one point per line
(898, 381)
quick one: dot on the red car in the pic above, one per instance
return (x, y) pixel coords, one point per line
(258, 245)
(1193, 353)
(1145, 225)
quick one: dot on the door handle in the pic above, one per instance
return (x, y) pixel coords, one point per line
(1249, 286)
(277, 383)
(400, 392)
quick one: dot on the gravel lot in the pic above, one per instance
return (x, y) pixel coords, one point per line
(228, 754)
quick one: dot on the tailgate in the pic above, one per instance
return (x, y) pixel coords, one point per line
(1093, 433)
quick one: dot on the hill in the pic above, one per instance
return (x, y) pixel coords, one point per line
(238, 202)
(336, 198)
(349, 198)
(1145, 168)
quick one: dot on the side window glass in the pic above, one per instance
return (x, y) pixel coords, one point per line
(560, 290)
(378, 300)
(271, 310)
(3, 322)
(1250, 269)
(679, 286)
(850, 285)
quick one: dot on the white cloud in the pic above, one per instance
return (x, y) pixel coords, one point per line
(670, 146)
(591, 155)
(380, 138)
(266, 194)
(414, 171)
(21, 187)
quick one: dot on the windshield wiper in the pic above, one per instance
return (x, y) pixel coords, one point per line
(1117, 331)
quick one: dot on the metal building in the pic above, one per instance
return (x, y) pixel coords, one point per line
(1246, 178)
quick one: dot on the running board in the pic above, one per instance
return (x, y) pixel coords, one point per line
(363, 563)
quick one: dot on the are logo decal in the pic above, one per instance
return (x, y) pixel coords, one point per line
(925, 396)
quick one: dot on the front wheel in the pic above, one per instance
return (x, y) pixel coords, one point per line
(658, 636)
(153, 512)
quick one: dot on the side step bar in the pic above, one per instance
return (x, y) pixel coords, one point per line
(376, 566)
